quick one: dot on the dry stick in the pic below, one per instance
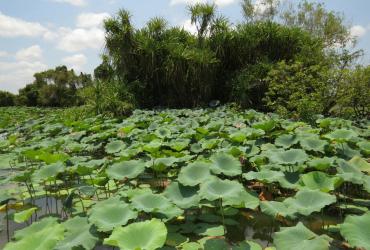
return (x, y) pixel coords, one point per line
(7, 221)
(223, 217)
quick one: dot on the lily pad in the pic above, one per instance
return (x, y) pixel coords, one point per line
(43, 235)
(194, 173)
(78, 234)
(182, 196)
(148, 235)
(292, 156)
(111, 213)
(320, 181)
(149, 202)
(225, 164)
(220, 189)
(306, 202)
(355, 230)
(115, 147)
(299, 237)
(126, 169)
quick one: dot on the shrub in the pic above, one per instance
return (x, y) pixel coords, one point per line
(6, 99)
(299, 90)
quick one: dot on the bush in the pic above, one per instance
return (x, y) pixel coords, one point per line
(353, 99)
(6, 99)
(249, 86)
(107, 98)
(298, 90)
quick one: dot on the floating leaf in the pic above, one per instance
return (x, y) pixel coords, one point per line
(148, 235)
(341, 135)
(225, 164)
(355, 230)
(149, 202)
(43, 235)
(125, 169)
(24, 215)
(320, 181)
(78, 234)
(194, 173)
(321, 163)
(179, 144)
(286, 141)
(313, 144)
(299, 237)
(48, 172)
(115, 147)
(292, 156)
(306, 202)
(220, 189)
(182, 196)
(111, 213)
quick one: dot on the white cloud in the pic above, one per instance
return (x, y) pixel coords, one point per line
(72, 40)
(189, 27)
(15, 27)
(33, 53)
(3, 53)
(91, 20)
(76, 61)
(15, 75)
(220, 3)
(73, 2)
(358, 31)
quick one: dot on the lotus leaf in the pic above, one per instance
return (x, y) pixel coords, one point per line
(247, 245)
(24, 215)
(275, 209)
(286, 141)
(320, 181)
(265, 175)
(220, 189)
(115, 147)
(306, 202)
(225, 164)
(194, 173)
(313, 144)
(292, 156)
(365, 147)
(149, 202)
(43, 235)
(182, 196)
(125, 169)
(321, 163)
(78, 234)
(148, 235)
(179, 144)
(48, 172)
(299, 237)
(360, 164)
(355, 230)
(110, 213)
(341, 135)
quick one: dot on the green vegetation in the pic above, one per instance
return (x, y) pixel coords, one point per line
(142, 156)
(183, 179)
(297, 61)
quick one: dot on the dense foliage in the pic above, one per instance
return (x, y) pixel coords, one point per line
(54, 88)
(6, 99)
(183, 179)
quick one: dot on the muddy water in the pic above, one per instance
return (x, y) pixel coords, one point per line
(44, 210)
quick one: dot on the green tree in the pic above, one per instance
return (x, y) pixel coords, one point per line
(6, 99)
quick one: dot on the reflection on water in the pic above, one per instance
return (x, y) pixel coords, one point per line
(46, 206)
(245, 225)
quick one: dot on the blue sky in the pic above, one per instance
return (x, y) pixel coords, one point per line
(40, 34)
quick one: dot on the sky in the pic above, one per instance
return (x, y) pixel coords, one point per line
(36, 35)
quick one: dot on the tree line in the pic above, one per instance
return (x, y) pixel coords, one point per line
(295, 60)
